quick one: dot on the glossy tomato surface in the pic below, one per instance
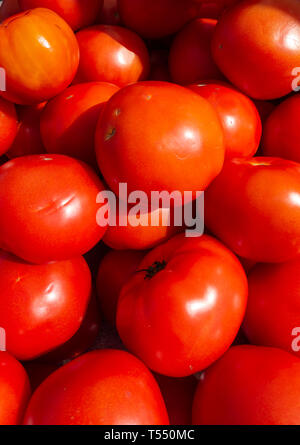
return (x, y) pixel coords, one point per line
(250, 385)
(8, 125)
(48, 207)
(176, 314)
(108, 387)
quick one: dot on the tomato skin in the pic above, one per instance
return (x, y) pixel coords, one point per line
(110, 13)
(190, 58)
(8, 8)
(8, 125)
(107, 387)
(68, 122)
(239, 117)
(138, 134)
(183, 318)
(48, 208)
(213, 9)
(38, 299)
(247, 49)
(105, 55)
(262, 382)
(255, 220)
(77, 13)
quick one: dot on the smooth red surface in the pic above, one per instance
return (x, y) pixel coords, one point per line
(8, 125)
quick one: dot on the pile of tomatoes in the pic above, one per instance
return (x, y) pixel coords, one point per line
(106, 324)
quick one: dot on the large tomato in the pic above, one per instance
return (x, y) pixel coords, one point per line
(108, 387)
(41, 306)
(256, 45)
(253, 206)
(111, 54)
(48, 207)
(8, 8)
(68, 122)
(159, 136)
(77, 13)
(250, 385)
(239, 117)
(8, 125)
(176, 313)
(40, 42)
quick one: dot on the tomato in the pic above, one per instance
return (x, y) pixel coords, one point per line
(253, 206)
(49, 50)
(76, 13)
(176, 314)
(28, 139)
(8, 125)
(159, 65)
(251, 52)
(8, 8)
(190, 57)
(38, 372)
(48, 208)
(41, 306)
(239, 117)
(68, 122)
(281, 130)
(111, 54)
(110, 13)
(115, 269)
(213, 8)
(250, 385)
(136, 144)
(107, 387)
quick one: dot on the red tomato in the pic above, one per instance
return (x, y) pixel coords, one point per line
(281, 130)
(8, 125)
(250, 385)
(8, 8)
(111, 54)
(136, 143)
(108, 387)
(254, 208)
(41, 306)
(77, 13)
(48, 208)
(110, 13)
(159, 65)
(190, 54)
(239, 117)
(176, 314)
(250, 52)
(38, 372)
(14, 390)
(114, 271)
(68, 122)
(28, 140)
(213, 8)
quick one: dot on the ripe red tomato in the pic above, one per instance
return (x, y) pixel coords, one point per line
(114, 271)
(111, 54)
(76, 13)
(49, 50)
(48, 208)
(281, 131)
(14, 390)
(41, 306)
(8, 125)
(8, 8)
(136, 143)
(253, 206)
(176, 314)
(68, 122)
(239, 117)
(107, 387)
(190, 57)
(110, 13)
(250, 385)
(252, 53)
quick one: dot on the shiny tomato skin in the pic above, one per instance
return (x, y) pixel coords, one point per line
(8, 8)
(111, 54)
(239, 117)
(77, 13)
(133, 136)
(41, 306)
(107, 387)
(110, 13)
(68, 122)
(281, 131)
(249, 385)
(8, 125)
(177, 315)
(256, 46)
(48, 208)
(190, 58)
(253, 207)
